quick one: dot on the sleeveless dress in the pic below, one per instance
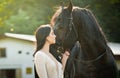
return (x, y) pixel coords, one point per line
(46, 67)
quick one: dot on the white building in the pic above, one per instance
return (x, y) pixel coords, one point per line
(16, 60)
(115, 47)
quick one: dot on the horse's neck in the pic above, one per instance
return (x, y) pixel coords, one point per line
(91, 46)
(89, 34)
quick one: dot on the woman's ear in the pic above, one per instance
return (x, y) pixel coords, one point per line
(47, 38)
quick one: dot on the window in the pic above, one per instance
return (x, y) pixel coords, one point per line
(19, 52)
(7, 73)
(2, 52)
(28, 70)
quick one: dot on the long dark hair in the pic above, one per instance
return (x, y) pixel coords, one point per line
(41, 33)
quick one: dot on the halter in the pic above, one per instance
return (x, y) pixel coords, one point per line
(89, 61)
(71, 26)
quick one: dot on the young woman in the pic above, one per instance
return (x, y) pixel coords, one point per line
(45, 64)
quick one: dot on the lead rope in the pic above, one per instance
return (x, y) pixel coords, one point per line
(73, 75)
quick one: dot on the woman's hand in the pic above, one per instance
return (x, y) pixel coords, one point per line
(66, 55)
(64, 58)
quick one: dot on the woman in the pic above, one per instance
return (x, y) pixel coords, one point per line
(45, 63)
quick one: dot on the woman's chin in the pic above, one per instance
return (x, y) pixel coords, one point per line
(53, 43)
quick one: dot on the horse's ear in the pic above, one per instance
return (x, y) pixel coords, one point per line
(70, 6)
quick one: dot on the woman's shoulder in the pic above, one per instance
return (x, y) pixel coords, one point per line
(39, 58)
(40, 54)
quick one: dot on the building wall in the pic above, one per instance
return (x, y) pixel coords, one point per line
(19, 56)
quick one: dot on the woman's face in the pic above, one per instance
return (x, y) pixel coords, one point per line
(52, 37)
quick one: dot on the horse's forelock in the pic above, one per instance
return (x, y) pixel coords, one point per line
(56, 14)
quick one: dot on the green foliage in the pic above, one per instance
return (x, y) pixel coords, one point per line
(24, 16)
(5, 13)
(22, 23)
(108, 14)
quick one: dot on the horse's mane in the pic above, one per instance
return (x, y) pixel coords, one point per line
(56, 14)
(86, 18)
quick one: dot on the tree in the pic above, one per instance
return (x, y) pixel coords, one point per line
(29, 14)
(5, 13)
(22, 23)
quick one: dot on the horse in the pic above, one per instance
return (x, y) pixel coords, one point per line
(77, 29)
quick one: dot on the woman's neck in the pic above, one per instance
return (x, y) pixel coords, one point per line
(46, 47)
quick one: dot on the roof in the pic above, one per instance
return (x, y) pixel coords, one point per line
(21, 36)
(115, 47)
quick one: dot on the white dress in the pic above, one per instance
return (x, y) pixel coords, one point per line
(46, 67)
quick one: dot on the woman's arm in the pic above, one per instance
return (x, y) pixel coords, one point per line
(40, 65)
(64, 59)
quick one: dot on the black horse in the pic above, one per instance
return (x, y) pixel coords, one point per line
(92, 58)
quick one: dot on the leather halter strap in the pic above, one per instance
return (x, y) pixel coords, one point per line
(89, 61)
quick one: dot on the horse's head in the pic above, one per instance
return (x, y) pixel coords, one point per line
(66, 34)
